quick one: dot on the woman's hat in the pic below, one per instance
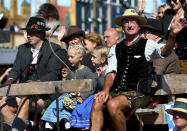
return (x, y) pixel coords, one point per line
(36, 24)
(130, 13)
(71, 31)
(153, 24)
(179, 106)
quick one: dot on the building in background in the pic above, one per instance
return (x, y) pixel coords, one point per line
(97, 15)
(25, 9)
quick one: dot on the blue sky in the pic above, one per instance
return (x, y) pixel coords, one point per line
(60, 2)
(149, 5)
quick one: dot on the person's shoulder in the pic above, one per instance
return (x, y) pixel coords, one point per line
(88, 73)
(23, 46)
(143, 40)
(53, 45)
(87, 69)
(121, 42)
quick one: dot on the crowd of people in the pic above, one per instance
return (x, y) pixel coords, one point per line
(122, 71)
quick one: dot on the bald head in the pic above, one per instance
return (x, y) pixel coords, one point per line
(111, 37)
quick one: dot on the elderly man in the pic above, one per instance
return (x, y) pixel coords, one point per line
(170, 65)
(35, 61)
(111, 37)
(128, 68)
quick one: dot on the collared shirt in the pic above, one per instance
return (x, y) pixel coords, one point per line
(152, 51)
(35, 53)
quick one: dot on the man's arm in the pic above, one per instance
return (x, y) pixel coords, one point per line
(176, 27)
(109, 80)
(16, 70)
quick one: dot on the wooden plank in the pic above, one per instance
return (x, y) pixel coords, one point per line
(172, 84)
(36, 88)
(156, 118)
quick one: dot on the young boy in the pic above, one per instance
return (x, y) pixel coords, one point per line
(68, 101)
(99, 61)
(80, 117)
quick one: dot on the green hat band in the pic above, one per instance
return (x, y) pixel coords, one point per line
(180, 105)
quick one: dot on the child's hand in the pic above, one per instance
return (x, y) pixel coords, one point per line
(79, 99)
(64, 72)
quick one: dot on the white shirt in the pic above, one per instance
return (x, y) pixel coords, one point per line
(35, 53)
(152, 51)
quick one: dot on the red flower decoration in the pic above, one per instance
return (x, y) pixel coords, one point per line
(33, 26)
(175, 47)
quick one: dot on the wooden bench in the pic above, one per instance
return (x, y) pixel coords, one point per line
(38, 88)
(169, 86)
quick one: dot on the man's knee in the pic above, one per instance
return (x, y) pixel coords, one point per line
(97, 106)
(112, 105)
(115, 105)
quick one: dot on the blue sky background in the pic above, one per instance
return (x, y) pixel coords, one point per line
(149, 5)
(60, 2)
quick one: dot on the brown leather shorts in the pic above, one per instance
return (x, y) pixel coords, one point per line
(135, 99)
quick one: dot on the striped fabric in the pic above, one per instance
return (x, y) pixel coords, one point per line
(169, 118)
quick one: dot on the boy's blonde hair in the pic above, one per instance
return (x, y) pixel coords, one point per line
(79, 48)
(102, 50)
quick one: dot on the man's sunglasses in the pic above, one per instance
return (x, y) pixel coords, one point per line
(169, 1)
(181, 1)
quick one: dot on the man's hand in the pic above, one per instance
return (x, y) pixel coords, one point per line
(177, 25)
(101, 96)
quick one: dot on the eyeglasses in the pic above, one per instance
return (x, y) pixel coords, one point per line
(169, 1)
(145, 32)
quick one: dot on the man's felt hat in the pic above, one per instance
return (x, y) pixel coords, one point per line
(36, 24)
(72, 31)
(179, 106)
(153, 24)
(130, 13)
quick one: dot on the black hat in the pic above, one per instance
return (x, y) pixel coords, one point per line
(72, 31)
(153, 24)
(36, 24)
